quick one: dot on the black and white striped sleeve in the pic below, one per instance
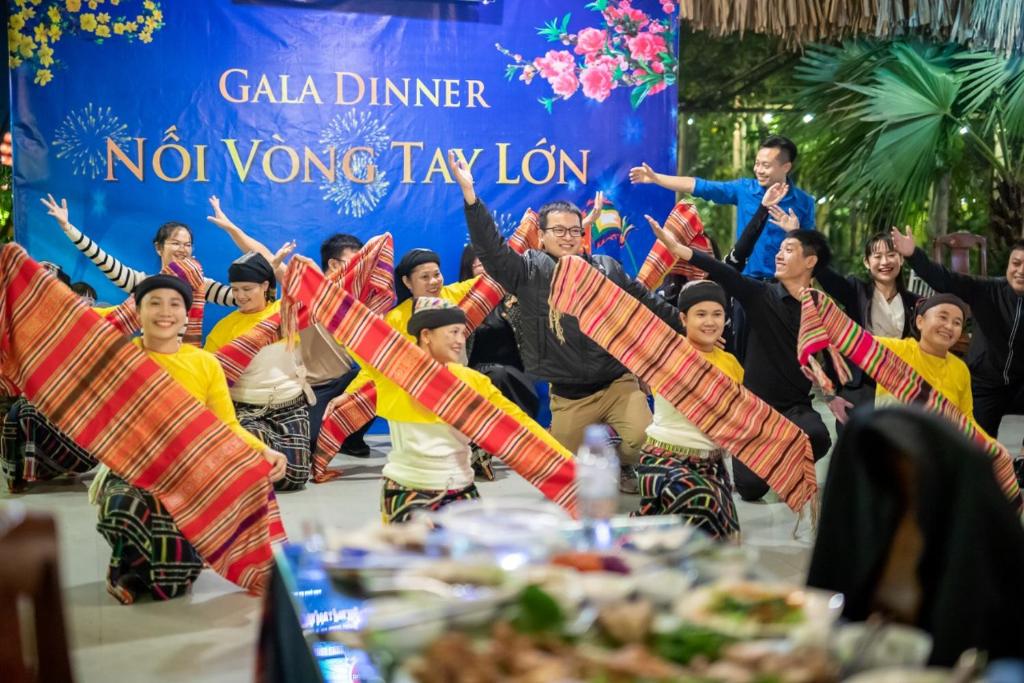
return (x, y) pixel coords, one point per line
(219, 293)
(121, 275)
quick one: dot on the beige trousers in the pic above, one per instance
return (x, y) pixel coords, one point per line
(622, 405)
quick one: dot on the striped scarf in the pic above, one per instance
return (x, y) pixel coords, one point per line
(735, 419)
(111, 399)
(824, 327)
(345, 415)
(430, 383)
(683, 222)
(368, 275)
(486, 294)
(125, 318)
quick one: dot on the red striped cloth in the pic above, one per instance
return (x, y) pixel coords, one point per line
(683, 222)
(369, 275)
(825, 327)
(433, 385)
(345, 415)
(108, 396)
(125, 319)
(486, 294)
(735, 419)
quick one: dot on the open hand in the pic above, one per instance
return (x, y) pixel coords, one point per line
(286, 250)
(219, 218)
(675, 247)
(641, 174)
(774, 194)
(904, 244)
(277, 461)
(840, 407)
(589, 219)
(462, 174)
(58, 211)
(788, 221)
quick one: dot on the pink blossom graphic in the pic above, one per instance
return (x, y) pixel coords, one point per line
(597, 82)
(590, 41)
(565, 84)
(645, 47)
(628, 48)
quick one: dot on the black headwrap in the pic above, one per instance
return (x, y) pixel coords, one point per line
(252, 267)
(163, 281)
(430, 312)
(412, 258)
(939, 299)
(700, 290)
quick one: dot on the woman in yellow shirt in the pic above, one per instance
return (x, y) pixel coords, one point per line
(940, 320)
(418, 274)
(429, 465)
(681, 471)
(271, 396)
(148, 552)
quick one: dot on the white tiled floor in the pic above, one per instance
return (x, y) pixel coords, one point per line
(210, 635)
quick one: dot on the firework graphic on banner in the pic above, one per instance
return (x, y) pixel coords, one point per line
(357, 198)
(81, 138)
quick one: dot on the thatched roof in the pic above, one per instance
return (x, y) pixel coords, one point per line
(996, 25)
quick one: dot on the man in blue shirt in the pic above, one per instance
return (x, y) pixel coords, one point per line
(774, 162)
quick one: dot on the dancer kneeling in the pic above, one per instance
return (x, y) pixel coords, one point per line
(148, 552)
(681, 470)
(271, 397)
(430, 464)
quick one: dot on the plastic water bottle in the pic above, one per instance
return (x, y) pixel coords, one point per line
(597, 486)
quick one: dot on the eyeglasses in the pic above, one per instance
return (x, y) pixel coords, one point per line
(560, 231)
(178, 245)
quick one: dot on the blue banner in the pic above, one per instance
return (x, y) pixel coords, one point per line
(310, 118)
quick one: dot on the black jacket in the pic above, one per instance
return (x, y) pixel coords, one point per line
(579, 366)
(996, 355)
(855, 296)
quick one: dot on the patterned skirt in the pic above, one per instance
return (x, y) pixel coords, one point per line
(694, 485)
(398, 503)
(284, 428)
(33, 449)
(148, 552)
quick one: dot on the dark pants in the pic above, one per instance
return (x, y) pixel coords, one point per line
(325, 393)
(514, 385)
(993, 400)
(739, 332)
(752, 487)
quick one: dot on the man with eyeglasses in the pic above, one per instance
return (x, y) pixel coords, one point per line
(588, 386)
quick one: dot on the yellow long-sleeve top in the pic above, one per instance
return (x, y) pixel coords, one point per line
(669, 426)
(199, 373)
(272, 377)
(428, 454)
(949, 375)
(398, 319)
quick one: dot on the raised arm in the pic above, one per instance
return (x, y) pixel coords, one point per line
(241, 239)
(507, 267)
(744, 247)
(643, 174)
(840, 288)
(734, 283)
(938, 277)
(122, 276)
